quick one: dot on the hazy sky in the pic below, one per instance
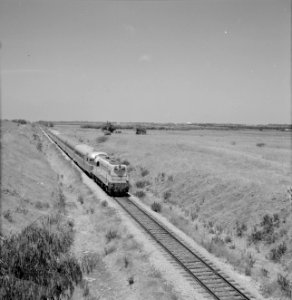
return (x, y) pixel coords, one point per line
(178, 61)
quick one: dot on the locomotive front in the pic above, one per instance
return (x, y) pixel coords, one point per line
(118, 183)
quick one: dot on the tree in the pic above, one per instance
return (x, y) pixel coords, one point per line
(108, 126)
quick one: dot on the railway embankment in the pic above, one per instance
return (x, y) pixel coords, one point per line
(226, 190)
(40, 186)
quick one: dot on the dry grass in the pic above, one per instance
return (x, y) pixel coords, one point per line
(231, 178)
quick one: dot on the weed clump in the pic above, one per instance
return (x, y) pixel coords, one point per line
(166, 195)
(140, 194)
(240, 229)
(126, 162)
(36, 264)
(104, 203)
(155, 206)
(111, 234)
(285, 285)
(142, 183)
(102, 139)
(89, 262)
(277, 252)
(261, 145)
(80, 199)
(144, 172)
(7, 215)
(267, 231)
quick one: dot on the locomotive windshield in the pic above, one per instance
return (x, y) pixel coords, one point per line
(119, 170)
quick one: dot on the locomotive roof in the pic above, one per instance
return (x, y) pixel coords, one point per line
(93, 154)
(83, 149)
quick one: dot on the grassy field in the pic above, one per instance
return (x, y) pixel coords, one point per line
(217, 186)
(47, 211)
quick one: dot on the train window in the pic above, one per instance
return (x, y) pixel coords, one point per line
(97, 164)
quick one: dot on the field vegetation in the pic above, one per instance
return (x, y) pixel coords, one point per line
(227, 189)
(59, 240)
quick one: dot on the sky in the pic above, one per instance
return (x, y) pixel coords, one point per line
(218, 61)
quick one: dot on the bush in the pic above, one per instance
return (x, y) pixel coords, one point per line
(39, 146)
(111, 234)
(41, 205)
(89, 262)
(102, 139)
(109, 250)
(261, 144)
(266, 232)
(240, 229)
(227, 239)
(20, 121)
(108, 126)
(285, 285)
(141, 130)
(125, 162)
(155, 206)
(104, 203)
(278, 252)
(36, 265)
(7, 215)
(144, 172)
(142, 183)
(166, 195)
(140, 194)
(80, 199)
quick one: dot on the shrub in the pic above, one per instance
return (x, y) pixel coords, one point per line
(155, 206)
(104, 203)
(278, 252)
(7, 215)
(111, 234)
(41, 205)
(255, 236)
(142, 183)
(240, 229)
(166, 195)
(102, 139)
(89, 262)
(126, 261)
(285, 285)
(141, 130)
(261, 144)
(194, 216)
(20, 121)
(227, 239)
(109, 250)
(131, 280)
(36, 265)
(80, 199)
(144, 172)
(125, 162)
(108, 126)
(264, 272)
(140, 194)
(39, 146)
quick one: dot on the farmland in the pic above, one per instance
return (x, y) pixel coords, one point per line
(221, 187)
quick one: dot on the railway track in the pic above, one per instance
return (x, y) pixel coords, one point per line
(217, 286)
(201, 270)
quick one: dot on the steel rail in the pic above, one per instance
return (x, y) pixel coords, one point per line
(122, 203)
(169, 234)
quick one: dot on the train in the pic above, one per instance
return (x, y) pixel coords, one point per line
(107, 172)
